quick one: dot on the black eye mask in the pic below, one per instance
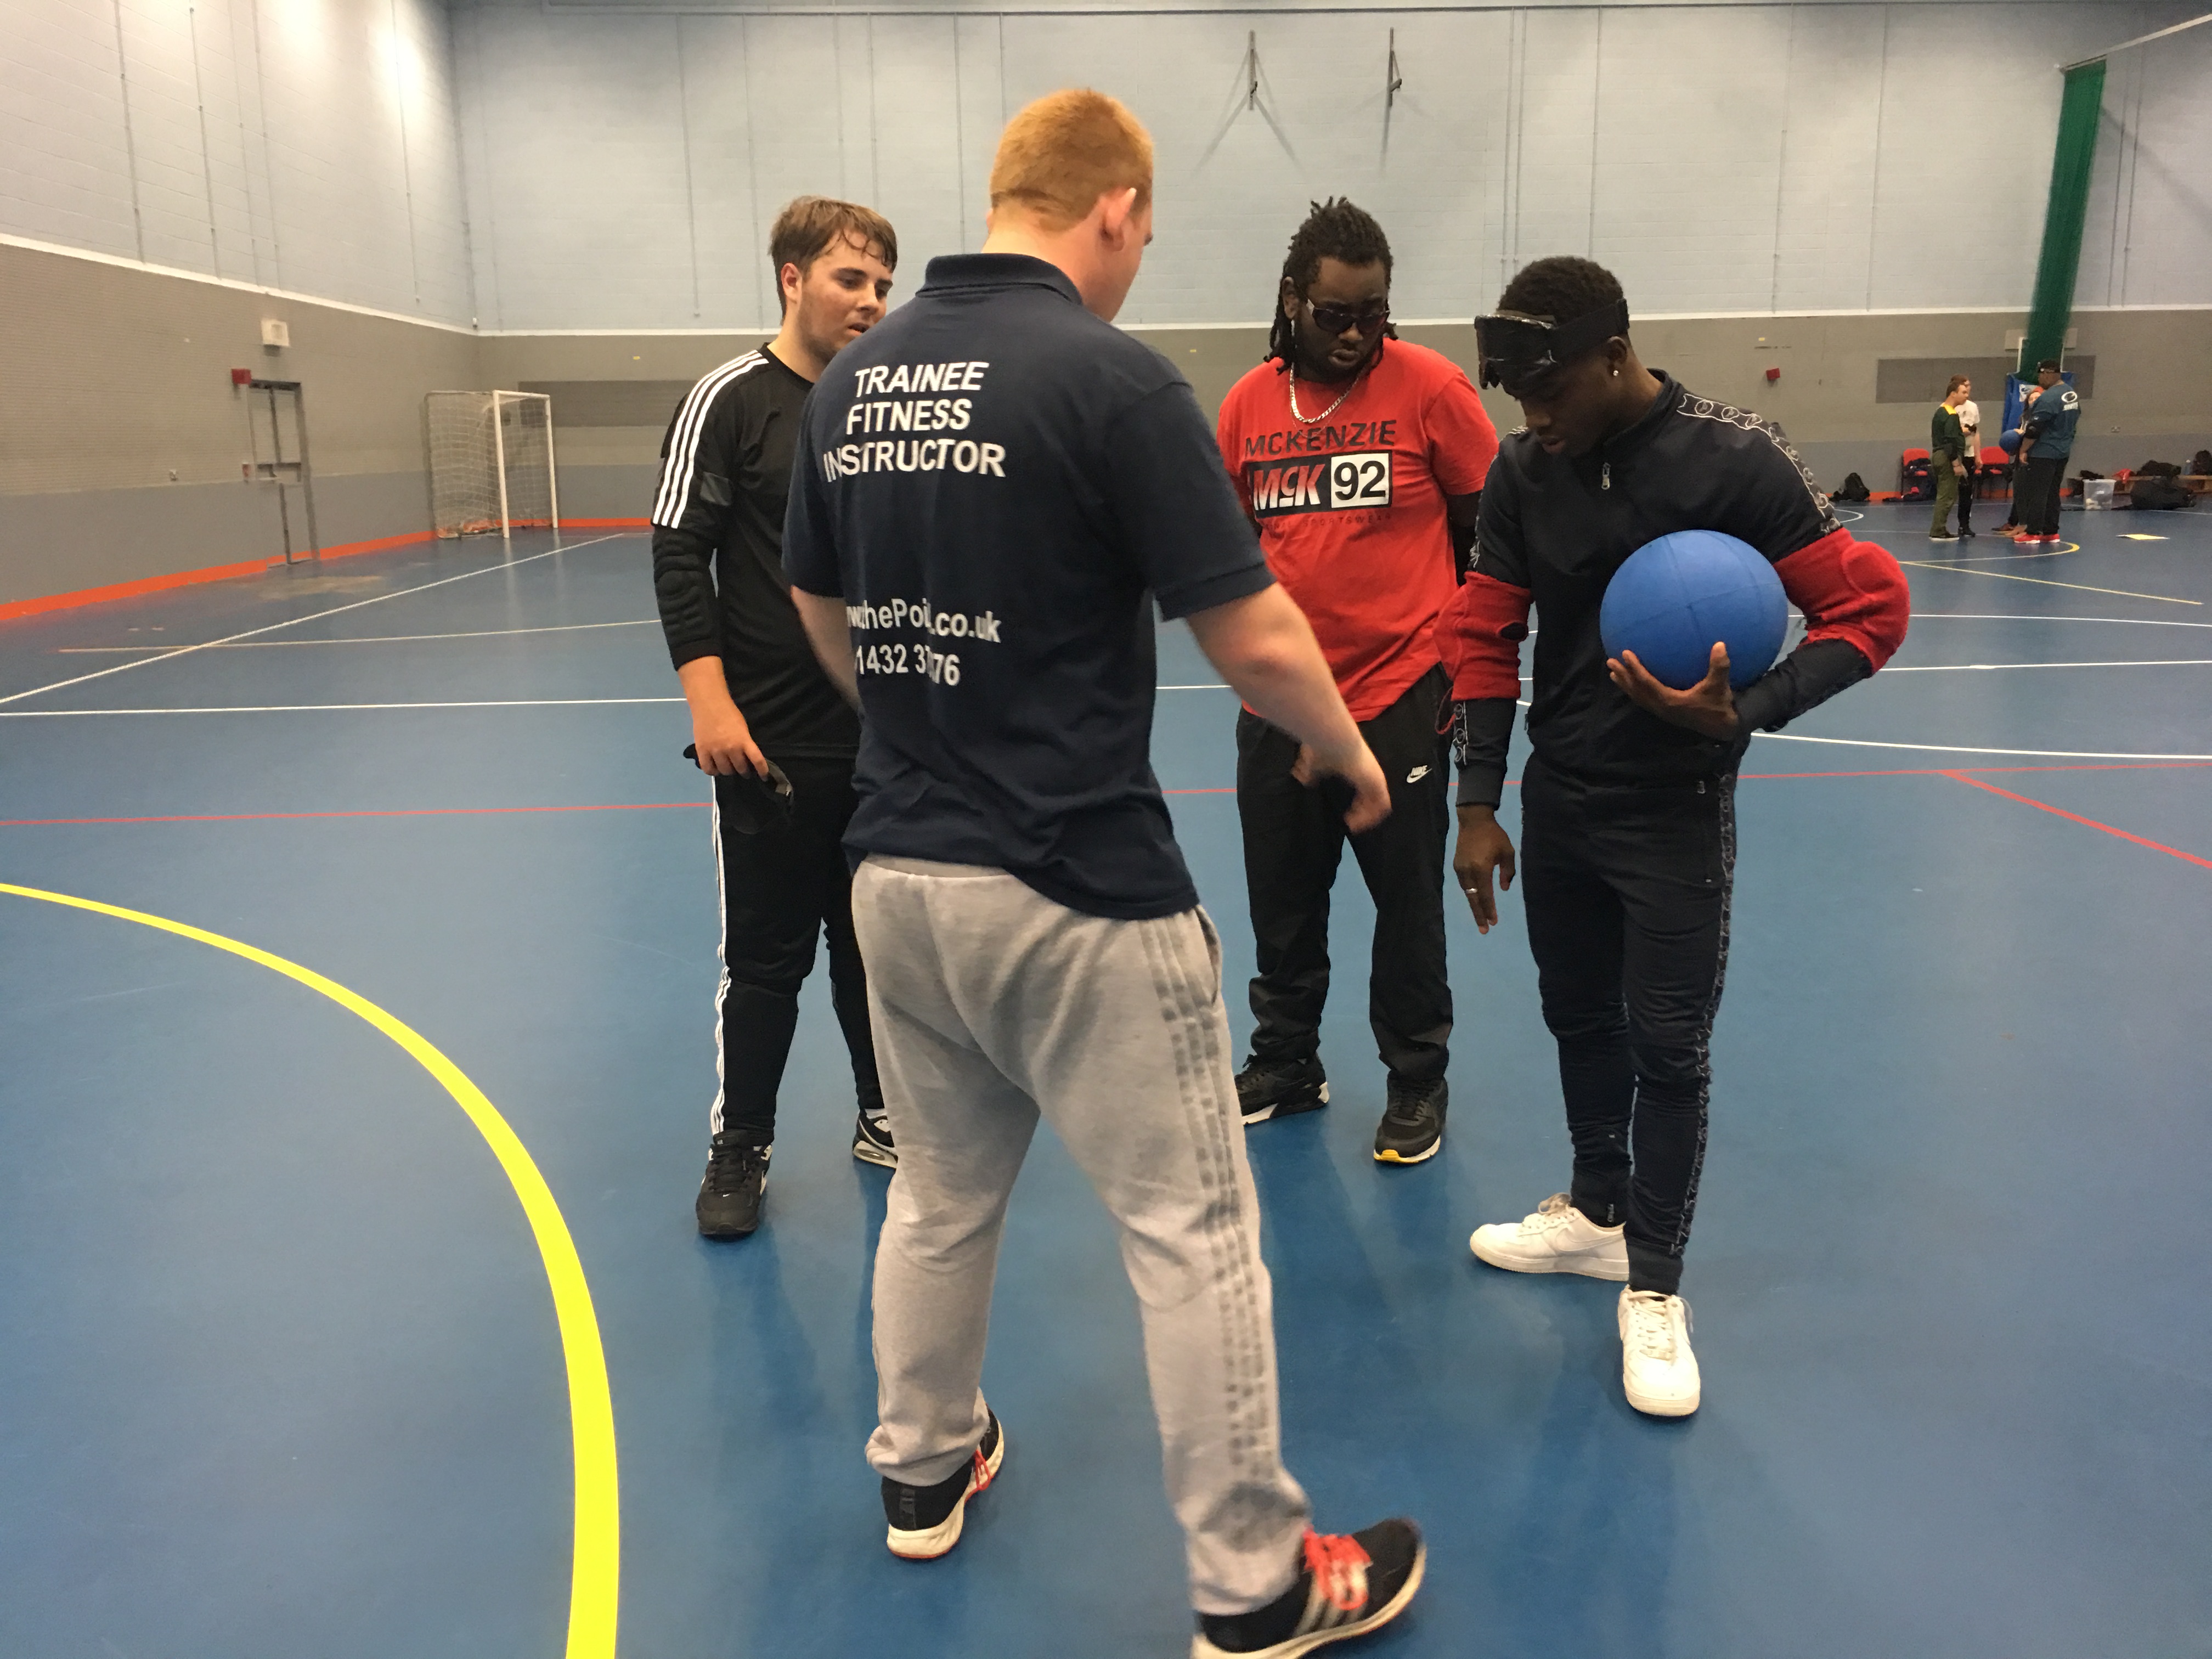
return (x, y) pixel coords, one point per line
(1514, 349)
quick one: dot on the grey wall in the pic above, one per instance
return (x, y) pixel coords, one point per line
(1855, 182)
(625, 164)
(311, 145)
(121, 435)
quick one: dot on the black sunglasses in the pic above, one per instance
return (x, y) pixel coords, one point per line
(1342, 319)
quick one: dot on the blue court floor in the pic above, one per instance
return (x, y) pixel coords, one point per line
(281, 1374)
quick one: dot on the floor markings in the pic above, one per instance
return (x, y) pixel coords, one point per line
(2075, 818)
(294, 622)
(358, 639)
(2136, 536)
(595, 1574)
(1988, 667)
(1221, 789)
(333, 707)
(1966, 749)
(2044, 581)
(2017, 616)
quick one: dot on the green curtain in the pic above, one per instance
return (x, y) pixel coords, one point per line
(2061, 259)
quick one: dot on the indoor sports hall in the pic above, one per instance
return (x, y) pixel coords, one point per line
(358, 911)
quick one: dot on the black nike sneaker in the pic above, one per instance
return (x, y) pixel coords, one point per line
(1345, 1587)
(1412, 1125)
(729, 1205)
(1281, 1088)
(926, 1521)
(872, 1141)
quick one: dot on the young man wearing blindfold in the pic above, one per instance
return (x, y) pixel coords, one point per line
(1361, 458)
(1627, 805)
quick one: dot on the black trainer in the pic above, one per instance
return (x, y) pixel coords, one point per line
(1345, 1587)
(730, 1195)
(872, 1141)
(926, 1521)
(1281, 1088)
(1412, 1125)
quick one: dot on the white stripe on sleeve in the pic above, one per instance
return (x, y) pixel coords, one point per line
(676, 470)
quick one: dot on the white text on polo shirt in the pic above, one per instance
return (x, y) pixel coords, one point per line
(908, 397)
(916, 657)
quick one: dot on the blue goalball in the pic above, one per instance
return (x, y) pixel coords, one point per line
(2010, 442)
(1672, 598)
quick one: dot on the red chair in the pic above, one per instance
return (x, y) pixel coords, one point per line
(1994, 467)
(1905, 460)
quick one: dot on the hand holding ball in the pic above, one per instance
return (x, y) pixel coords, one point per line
(1672, 598)
(2010, 442)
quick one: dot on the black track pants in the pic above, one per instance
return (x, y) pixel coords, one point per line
(781, 890)
(2040, 482)
(1627, 895)
(1294, 839)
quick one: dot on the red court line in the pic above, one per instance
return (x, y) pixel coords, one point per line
(2060, 811)
(216, 573)
(1959, 774)
(384, 812)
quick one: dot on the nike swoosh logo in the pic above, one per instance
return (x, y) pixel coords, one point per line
(1417, 774)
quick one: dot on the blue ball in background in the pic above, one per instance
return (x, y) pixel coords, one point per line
(2010, 442)
(1672, 598)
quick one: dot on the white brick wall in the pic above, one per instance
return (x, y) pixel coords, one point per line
(310, 145)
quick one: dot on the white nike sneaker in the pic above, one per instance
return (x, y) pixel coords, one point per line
(1656, 1366)
(1558, 1239)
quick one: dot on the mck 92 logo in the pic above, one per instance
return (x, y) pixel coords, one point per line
(1333, 484)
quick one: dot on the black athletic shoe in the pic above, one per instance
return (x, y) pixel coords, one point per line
(926, 1521)
(1281, 1088)
(872, 1141)
(1413, 1125)
(1345, 1587)
(729, 1204)
(1966, 534)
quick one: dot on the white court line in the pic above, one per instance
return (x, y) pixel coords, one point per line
(2042, 581)
(336, 707)
(2017, 616)
(1966, 667)
(1962, 748)
(290, 621)
(360, 639)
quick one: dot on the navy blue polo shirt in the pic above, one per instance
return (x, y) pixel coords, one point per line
(1000, 486)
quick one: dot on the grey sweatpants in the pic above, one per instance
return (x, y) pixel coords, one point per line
(992, 1006)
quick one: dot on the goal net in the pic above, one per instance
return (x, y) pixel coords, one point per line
(491, 462)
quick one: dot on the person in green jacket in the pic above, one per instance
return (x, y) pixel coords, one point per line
(1947, 463)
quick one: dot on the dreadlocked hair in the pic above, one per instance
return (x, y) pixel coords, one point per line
(1561, 287)
(1334, 229)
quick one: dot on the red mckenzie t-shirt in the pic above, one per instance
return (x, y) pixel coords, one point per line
(1351, 508)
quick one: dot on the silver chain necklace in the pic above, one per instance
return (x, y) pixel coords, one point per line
(1315, 420)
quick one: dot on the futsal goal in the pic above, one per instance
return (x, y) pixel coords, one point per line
(490, 462)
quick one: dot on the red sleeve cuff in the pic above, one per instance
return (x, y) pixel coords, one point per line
(1479, 634)
(1851, 590)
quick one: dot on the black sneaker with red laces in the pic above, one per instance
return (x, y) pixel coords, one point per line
(926, 1521)
(1346, 1586)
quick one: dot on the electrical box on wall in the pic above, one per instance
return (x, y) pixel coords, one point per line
(274, 333)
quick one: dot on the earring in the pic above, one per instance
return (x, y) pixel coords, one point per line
(1616, 373)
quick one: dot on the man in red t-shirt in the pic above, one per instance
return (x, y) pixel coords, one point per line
(1361, 458)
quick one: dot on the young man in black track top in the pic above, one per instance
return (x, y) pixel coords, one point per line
(767, 725)
(1628, 804)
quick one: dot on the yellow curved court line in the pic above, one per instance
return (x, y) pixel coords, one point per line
(595, 1578)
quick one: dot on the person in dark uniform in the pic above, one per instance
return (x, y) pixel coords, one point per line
(995, 490)
(1360, 457)
(767, 725)
(1627, 805)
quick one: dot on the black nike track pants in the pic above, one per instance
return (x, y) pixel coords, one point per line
(1294, 840)
(1627, 895)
